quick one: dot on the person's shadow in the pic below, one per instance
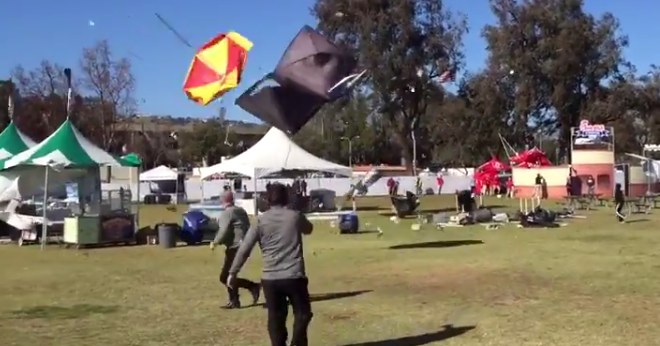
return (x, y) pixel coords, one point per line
(320, 297)
(448, 331)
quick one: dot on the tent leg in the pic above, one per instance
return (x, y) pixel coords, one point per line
(137, 200)
(44, 221)
(254, 195)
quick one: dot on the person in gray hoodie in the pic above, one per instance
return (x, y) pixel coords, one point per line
(233, 223)
(279, 233)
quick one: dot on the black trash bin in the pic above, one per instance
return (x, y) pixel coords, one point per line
(167, 233)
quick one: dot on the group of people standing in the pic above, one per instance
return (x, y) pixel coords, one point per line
(393, 185)
(278, 231)
(488, 188)
(298, 187)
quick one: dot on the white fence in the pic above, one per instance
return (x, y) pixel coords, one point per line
(197, 190)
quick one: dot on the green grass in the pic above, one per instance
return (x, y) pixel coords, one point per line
(593, 282)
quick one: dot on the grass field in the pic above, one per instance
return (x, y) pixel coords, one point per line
(592, 283)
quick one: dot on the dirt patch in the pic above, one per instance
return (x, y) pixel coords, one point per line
(342, 316)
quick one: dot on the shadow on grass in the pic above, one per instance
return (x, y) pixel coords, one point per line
(319, 297)
(336, 295)
(64, 313)
(496, 206)
(371, 231)
(448, 331)
(637, 220)
(436, 244)
(438, 210)
(371, 208)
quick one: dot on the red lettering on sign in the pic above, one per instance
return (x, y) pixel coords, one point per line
(586, 126)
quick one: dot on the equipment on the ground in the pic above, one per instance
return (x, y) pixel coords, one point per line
(167, 234)
(527, 204)
(481, 215)
(349, 223)
(539, 218)
(195, 224)
(405, 205)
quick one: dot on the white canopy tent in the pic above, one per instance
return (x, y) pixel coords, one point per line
(158, 179)
(275, 152)
(159, 173)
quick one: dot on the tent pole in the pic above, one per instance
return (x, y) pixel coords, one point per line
(176, 190)
(137, 202)
(44, 221)
(254, 195)
(648, 175)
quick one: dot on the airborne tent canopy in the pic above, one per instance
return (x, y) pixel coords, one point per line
(275, 152)
(310, 73)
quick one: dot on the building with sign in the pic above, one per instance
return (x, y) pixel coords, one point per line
(592, 153)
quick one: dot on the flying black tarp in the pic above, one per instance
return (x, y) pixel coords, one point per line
(313, 64)
(288, 109)
(307, 75)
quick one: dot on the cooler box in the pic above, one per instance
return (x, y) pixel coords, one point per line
(194, 224)
(348, 223)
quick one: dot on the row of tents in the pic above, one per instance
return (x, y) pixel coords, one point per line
(64, 148)
(68, 148)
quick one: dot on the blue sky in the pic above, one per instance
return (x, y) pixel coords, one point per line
(33, 30)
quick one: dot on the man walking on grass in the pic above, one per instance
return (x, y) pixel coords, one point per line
(233, 224)
(279, 232)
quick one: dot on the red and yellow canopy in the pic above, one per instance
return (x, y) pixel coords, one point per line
(217, 67)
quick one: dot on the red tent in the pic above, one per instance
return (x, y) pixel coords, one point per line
(530, 158)
(487, 173)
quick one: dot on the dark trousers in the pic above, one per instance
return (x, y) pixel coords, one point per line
(619, 211)
(278, 294)
(230, 253)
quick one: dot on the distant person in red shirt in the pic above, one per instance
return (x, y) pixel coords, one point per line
(390, 186)
(509, 187)
(439, 181)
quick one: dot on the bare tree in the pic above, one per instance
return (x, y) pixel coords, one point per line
(43, 92)
(110, 81)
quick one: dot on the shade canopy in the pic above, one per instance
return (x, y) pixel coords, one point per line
(132, 159)
(13, 141)
(66, 148)
(217, 67)
(274, 153)
(160, 173)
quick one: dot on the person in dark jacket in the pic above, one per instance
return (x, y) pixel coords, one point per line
(279, 233)
(619, 201)
(303, 187)
(233, 223)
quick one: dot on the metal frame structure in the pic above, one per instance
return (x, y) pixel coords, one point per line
(646, 150)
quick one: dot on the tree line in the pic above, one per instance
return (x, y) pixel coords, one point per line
(549, 65)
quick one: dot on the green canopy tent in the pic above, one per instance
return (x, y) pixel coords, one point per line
(65, 148)
(13, 141)
(134, 160)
